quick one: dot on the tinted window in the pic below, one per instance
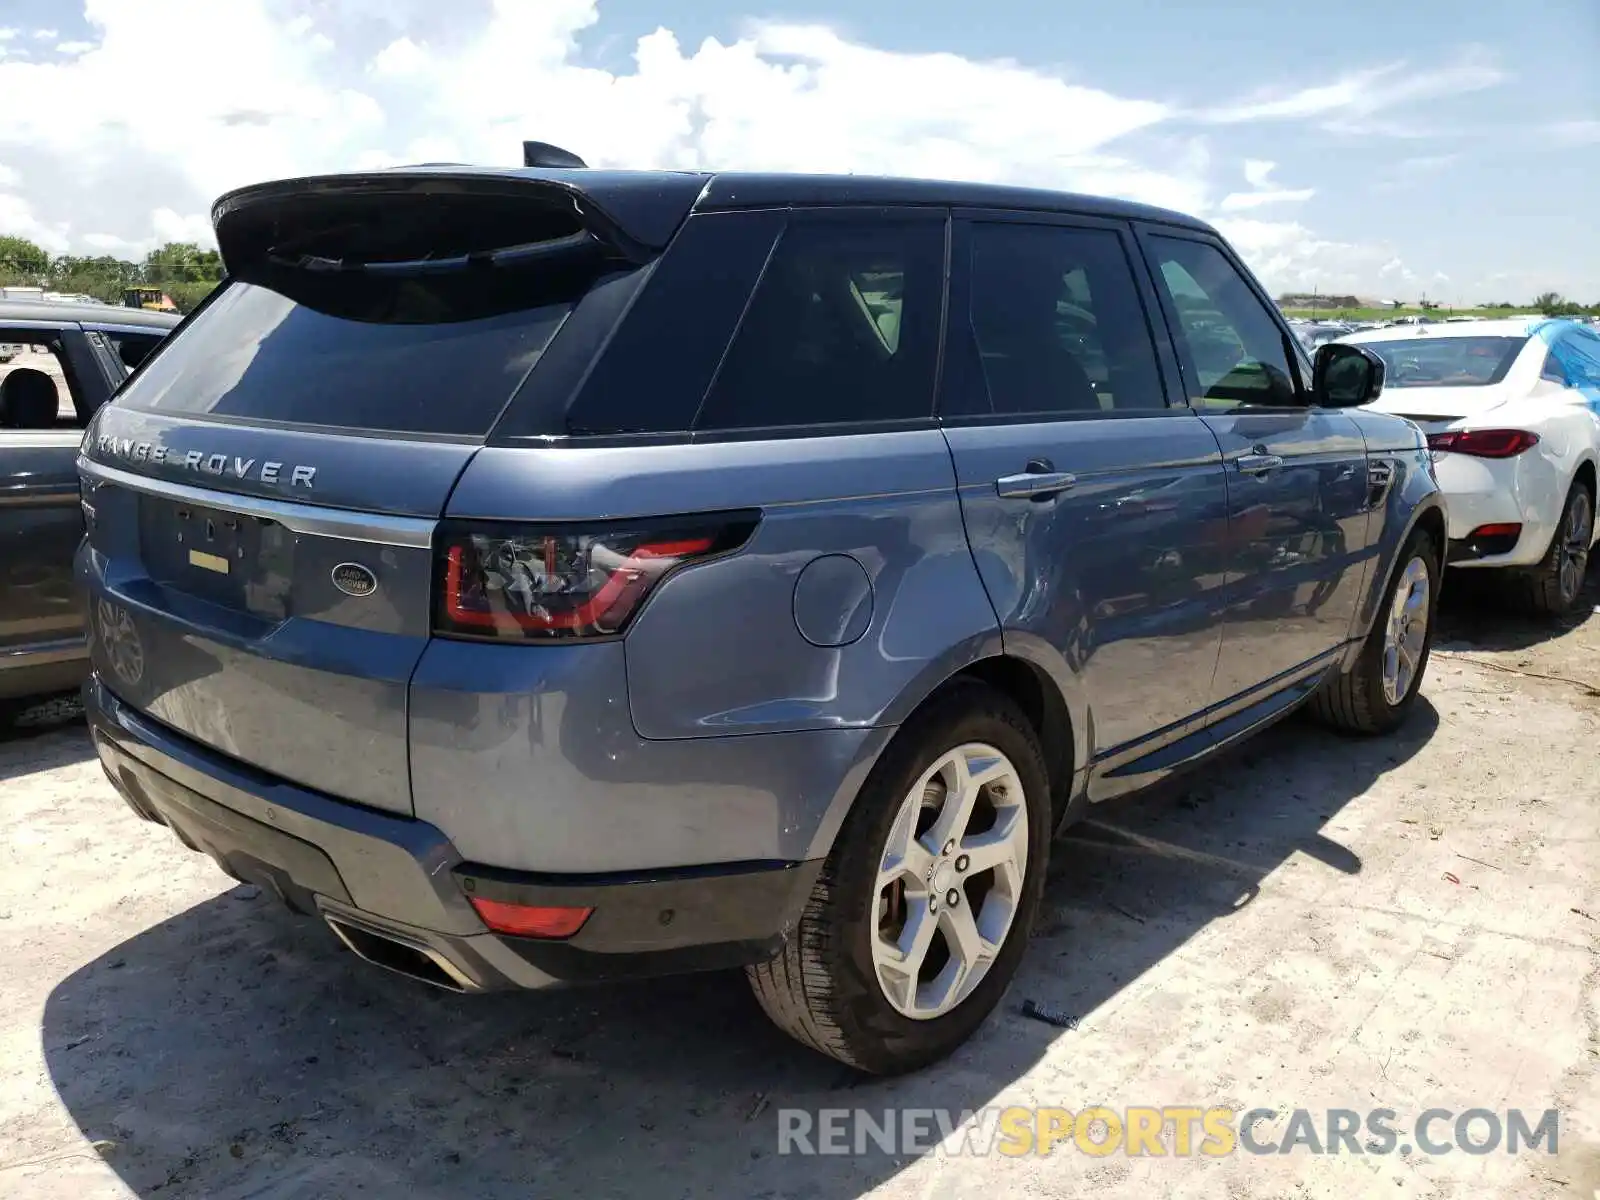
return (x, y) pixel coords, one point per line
(1232, 348)
(1446, 361)
(41, 376)
(256, 353)
(134, 348)
(1553, 370)
(1579, 355)
(843, 327)
(1058, 321)
(654, 371)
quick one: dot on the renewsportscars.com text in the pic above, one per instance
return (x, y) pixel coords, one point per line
(1167, 1131)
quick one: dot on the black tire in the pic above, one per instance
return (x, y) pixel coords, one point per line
(1539, 591)
(1354, 702)
(822, 989)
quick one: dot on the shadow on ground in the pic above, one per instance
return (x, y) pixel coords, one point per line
(1476, 614)
(235, 1051)
(41, 735)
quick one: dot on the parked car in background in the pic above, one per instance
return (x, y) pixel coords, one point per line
(1313, 334)
(1512, 414)
(605, 574)
(68, 358)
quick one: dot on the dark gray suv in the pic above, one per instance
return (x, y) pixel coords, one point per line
(62, 361)
(550, 575)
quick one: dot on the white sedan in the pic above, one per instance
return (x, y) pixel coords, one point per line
(1511, 410)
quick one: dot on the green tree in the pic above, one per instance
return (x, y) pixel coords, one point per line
(1554, 304)
(22, 261)
(182, 262)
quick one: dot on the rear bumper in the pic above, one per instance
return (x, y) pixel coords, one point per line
(394, 889)
(1524, 490)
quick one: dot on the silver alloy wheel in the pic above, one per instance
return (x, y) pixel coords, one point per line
(1406, 631)
(1575, 536)
(949, 881)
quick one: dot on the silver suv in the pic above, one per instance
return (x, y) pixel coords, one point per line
(554, 575)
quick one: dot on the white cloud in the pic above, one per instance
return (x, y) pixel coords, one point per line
(1258, 174)
(1573, 133)
(1361, 94)
(7, 35)
(18, 219)
(354, 84)
(1396, 271)
(1243, 201)
(783, 97)
(46, 35)
(1290, 257)
(1257, 171)
(400, 58)
(170, 226)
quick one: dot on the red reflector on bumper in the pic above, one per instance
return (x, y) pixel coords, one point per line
(521, 920)
(1505, 529)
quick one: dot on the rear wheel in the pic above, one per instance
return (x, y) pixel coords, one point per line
(1551, 589)
(1375, 695)
(922, 912)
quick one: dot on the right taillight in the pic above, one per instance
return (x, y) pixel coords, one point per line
(1483, 443)
(539, 584)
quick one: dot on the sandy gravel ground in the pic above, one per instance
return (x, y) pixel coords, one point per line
(1285, 930)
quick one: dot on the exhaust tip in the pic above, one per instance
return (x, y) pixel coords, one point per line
(403, 957)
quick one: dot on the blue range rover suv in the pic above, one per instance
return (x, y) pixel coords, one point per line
(554, 574)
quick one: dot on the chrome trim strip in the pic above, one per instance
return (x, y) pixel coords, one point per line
(41, 654)
(373, 528)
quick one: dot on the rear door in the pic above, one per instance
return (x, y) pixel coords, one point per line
(1298, 492)
(1096, 508)
(264, 491)
(40, 526)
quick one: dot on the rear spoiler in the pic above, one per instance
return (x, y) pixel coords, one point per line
(630, 215)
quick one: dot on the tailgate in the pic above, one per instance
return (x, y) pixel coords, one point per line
(261, 495)
(281, 633)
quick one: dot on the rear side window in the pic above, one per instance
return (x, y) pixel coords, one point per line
(1233, 350)
(134, 348)
(1058, 321)
(1553, 371)
(35, 395)
(843, 328)
(1578, 355)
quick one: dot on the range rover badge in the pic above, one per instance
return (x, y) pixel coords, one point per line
(354, 580)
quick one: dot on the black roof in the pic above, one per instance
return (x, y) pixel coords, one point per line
(726, 190)
(648, 206)
(730, 189)
(77, 312)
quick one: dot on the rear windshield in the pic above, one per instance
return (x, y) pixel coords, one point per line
(1447, 361)
(254, 353)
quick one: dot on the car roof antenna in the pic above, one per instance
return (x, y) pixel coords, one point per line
(543, 154)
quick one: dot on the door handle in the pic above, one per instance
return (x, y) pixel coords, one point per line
(1258, 464)
(1034, 485)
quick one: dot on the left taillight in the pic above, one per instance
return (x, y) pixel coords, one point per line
(527, 583)
(1483, 443)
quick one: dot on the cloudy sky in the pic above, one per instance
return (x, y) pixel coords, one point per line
(1446, 147)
